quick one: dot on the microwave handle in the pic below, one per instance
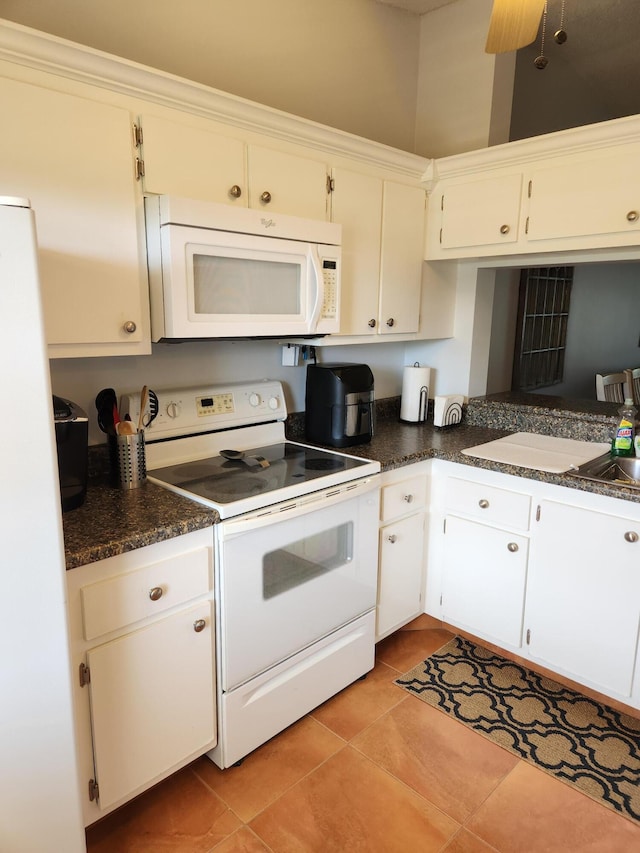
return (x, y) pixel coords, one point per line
(317, 267)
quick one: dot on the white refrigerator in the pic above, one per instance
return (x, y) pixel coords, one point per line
(39, 791)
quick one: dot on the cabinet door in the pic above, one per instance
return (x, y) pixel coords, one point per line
(484, 576)
(583, 598)
(480, 213)
(356, 204)
(152, 701)
(401, 258)
(73, 158)
(285, 183)
(587, 196)
(401, 571)
(187, 160)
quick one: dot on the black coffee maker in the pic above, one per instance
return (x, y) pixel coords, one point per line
(72, 438)
(339, 404)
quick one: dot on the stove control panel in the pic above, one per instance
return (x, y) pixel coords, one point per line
(186, 411)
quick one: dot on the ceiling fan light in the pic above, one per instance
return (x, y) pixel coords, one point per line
(514, 24)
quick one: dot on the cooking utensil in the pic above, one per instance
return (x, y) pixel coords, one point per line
(126, 428)
(144, 394)
(241, 456)
(153, 409)
(106, 403)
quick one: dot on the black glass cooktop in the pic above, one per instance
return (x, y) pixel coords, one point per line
(223, 480)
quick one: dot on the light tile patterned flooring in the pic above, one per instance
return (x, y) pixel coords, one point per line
(373, 770)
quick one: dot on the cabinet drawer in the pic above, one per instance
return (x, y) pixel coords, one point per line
(120, 601)
(495, 506)
(400, 498)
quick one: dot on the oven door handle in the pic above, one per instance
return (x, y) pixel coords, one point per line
(299, 507)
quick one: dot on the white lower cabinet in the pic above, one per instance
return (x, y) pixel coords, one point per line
(485, 572)
(550, 573)
(142, 645)
(484, 558)
(402, 547)
(583, 598)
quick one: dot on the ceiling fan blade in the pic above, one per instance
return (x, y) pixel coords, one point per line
(514, 24)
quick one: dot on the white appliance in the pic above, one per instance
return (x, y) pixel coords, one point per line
(217, 271)
(296, 553)
(36, 714)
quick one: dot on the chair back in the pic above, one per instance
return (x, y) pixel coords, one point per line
(611, 387)
(632, 389)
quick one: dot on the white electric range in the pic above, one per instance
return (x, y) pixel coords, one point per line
(295, 553)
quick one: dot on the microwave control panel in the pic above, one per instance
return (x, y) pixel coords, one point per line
(330, 276)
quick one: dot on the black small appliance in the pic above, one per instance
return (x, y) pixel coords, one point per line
(339, 404)
(72, 442)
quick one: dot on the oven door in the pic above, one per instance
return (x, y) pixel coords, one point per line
(292, 576)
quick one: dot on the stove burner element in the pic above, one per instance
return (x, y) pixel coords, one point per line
(323, 464)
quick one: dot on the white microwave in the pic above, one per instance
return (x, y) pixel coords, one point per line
(217, 271)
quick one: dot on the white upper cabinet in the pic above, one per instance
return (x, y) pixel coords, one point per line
(480, 213)
(401, 257)
(193, 160)
(574, 190)
(356, 204)
(382, 253)
(587, 195)
(73, 158)
(280, 182)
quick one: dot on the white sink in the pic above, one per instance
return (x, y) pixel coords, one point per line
(540, 452)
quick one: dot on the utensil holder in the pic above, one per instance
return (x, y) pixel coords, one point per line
(128, 460)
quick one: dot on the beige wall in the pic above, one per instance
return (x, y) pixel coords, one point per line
(350, 64)
(456, 82)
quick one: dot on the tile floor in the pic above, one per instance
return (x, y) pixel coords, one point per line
(373, 770)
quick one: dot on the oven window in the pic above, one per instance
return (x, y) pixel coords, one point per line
(306, 559)
(225, 285)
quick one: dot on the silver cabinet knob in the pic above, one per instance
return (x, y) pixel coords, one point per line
(391, 321)
(631, 536)
(199, 625)
(408, 498)
(265, 198)
(155, 593)
(483, 503)
(632, 216)
(129, 327)
(504, 229)
(372, 323)
(513, 547)
(392, 538)
(235, 191)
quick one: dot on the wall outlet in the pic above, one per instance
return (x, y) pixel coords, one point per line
(290, 355)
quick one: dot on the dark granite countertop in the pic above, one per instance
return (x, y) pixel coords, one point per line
(112, 521)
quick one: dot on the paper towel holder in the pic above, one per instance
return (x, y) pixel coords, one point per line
(414, 404)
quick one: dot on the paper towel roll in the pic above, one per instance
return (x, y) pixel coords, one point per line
(415, 393)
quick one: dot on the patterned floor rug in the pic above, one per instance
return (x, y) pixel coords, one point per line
(580, 741)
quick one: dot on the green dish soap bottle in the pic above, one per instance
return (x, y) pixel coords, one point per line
(624, 441)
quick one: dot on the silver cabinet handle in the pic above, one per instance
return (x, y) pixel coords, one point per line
(631, 536)
(155, 593)
(235, 191)
(513, 547)
(129, 327)
(483, 503)
(391, 322)
(392, 538)
(199, 625)
(632, 216)
(265, 198)
(408, 498)
(372, 323)
(504, 229)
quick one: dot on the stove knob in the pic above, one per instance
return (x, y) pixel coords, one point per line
(274, 403)
(254, 399)
(174, 409)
